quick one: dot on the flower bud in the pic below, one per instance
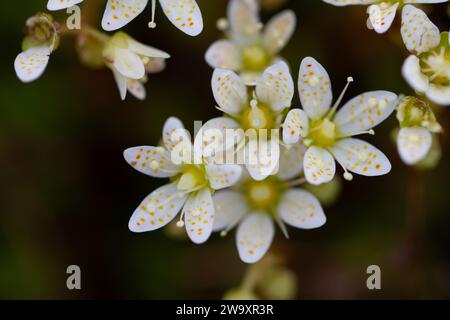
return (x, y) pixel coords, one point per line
(41, 30)
(279, 284)
(413, 112)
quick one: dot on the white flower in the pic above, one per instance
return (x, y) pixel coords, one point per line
(427, 70)
(260, 113)
(189, 191)
(130, 61)
(328, 134)
(249, 50)
(418, 123)
(255, 205)
(184, 14)
(381, 12)
(54, 5)
(42, 39)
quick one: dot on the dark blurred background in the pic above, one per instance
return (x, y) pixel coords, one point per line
(66, 194)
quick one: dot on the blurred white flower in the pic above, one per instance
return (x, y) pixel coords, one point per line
(190, 190)
(255, 205)
(427, 70)
(381, 12)
(184, 14)
(249, 49)
(328, 133)
(257, 116)
(130, 61)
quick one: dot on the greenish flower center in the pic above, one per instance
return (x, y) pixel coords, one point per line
(322, 133)
(264, 195)
(436, 63)
(257, 116)
(192, 177)
(255, 58)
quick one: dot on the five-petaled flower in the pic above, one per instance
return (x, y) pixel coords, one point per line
(248, 50)
(328, 133)
(256, 117)
(184, 14)
(190, 190)
(417, 124)
(427, 70)
(130, 61)
(381, 12)
(255, 205)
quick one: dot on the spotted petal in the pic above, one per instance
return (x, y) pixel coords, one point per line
(262, 158)
(230, 207)
(291, 161)
(414, 144)
(243, 16)
(418, 32)
(118, 13)
(319, 166)
(199, 216)
(296, 126)
(381, 16)
(361, 157)
(31, 64)
(174, 134)
(301, 209)
(254, 237)
(229, 91)
(224, 54)
(137, 89)
(152, 161)
(157, 209)
(315, 88)
(275, 88)
(223, 175)
(184, 14)
(341, 3)
(364, 112)
(54, 5)
(279, 30)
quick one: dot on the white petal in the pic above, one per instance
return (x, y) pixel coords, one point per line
(224, 175)
(243, 16)
(262, 158)
(361, 157)
(341, 3)
(199, 216)
(315, 88)
(31, 64)
(250, 78)
(155, 65)
(174, 134)
(230, 207)
(414, 144)
(121, 82)
(144, 50)
(157, 209)
(412, 73)
(296, 126)
(291, 161)
(319, 166)
(418, 32)
(128, 64)
(136, 88)
(224, 54)
(184, 14)
(54, 5)
(152, 161)
(381, 16)
(212, 139)
(364, 112)
(279, 31)
(301, 209)
(439, 94)
(120, 12)
(254, 237)
(276, 88)
(229, 91)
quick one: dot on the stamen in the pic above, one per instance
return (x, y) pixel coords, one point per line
(296, 183)
(152, 23)
(339, 100)
(347, 175)
(222, 24)
(282, 226)
(358, 133)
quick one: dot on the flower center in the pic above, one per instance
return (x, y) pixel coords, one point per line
(436, 65)
(255, 58)
(257, 116)
(263, 195)
(192, 177)
(322, 133)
